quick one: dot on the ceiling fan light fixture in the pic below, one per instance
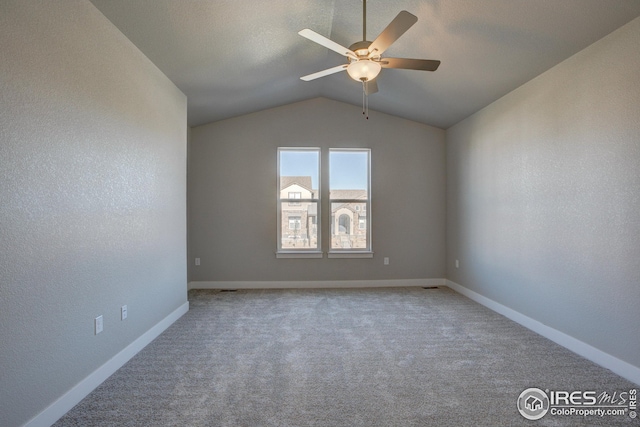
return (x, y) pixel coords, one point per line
(364, 70)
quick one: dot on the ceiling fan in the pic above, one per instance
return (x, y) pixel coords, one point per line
(365, 57)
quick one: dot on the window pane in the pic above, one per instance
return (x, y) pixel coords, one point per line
(299, 195)
(299, 227)
(349, 194)
(299, 167)
(348, 174)
(348, 226)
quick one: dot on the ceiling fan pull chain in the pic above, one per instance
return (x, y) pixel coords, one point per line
(364, 92)
(367, 98)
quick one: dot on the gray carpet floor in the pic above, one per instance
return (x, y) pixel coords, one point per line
(348, 357)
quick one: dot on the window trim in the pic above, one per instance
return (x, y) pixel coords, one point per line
(351, 254)
(299, 254)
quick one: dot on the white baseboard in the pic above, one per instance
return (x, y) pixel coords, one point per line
(71, 398)
(317, 284)
(620, 367)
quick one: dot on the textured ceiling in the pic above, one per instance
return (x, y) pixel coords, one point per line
(232, 57)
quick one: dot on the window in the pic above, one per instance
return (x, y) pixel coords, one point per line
(298, 200)
(294, 223)
(349, 198)
(299, 203)
(295, 195)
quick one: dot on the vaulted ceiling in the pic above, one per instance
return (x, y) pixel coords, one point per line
(232, 57)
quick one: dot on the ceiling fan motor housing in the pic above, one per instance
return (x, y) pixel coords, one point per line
(361, 49)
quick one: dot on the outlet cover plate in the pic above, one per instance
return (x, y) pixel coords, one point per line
(99, 325)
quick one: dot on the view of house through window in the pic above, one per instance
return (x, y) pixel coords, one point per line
(299, 172)
(349, 198)
(299, 196)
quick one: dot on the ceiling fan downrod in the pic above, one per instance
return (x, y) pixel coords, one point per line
(364, 20)
(365, 97)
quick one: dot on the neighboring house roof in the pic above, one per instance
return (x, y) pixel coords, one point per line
(302, 181)
(305, 182)
(349, 194)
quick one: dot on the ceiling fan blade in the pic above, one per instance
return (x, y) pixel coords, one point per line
(410, 64)
(394, 30)
(329, 44)
(324, 73)
(371, 87)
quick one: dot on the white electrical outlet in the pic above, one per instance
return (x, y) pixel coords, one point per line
(197, 261)
(457, 264)
(386, 260)
(123, 312)
(98, 324)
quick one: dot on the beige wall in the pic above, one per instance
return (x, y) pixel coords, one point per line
(544, 201)
(92, 198)
(238, 157)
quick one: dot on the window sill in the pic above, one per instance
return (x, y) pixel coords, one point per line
(314, 254)
(350, 255)
(299, 254)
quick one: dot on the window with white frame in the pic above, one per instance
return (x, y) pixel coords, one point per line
(298, 200)
(350, 200)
